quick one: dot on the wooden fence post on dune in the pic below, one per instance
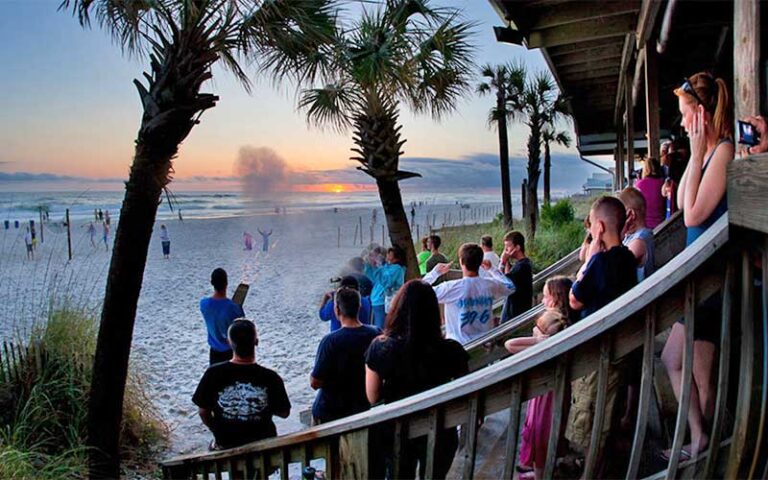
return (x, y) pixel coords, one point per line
(338, 238)
(69, 236)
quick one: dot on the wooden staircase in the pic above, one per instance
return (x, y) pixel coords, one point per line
(723, 259)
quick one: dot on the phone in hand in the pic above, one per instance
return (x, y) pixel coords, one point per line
(240, 293)
(748, 134)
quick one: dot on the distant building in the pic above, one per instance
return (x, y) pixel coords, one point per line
(598, 182)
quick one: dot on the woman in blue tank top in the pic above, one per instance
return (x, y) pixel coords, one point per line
(707, 116)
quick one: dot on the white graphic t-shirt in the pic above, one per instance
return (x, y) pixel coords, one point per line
(469, 302)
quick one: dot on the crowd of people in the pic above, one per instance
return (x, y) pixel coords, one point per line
(389, 339)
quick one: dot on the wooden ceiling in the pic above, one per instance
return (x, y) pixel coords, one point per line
(583, 42)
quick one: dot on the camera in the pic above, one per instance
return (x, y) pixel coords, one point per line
(748, 134)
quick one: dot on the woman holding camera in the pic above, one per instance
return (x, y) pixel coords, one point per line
(707, 116)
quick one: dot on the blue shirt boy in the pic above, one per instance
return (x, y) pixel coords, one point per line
(218, 314)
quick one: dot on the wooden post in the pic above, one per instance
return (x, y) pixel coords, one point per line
(354, 240)
(652, 99)
(338, 238)
(42, 239)
(353, 455)
(746, 58)
(630, 130)
(382, 236)
(69, 236)
(418, 235)
(360, 223)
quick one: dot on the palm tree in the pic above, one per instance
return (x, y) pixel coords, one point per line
(502, 81)
(538, 105)
(405, 51)
(182, 39)
(549, 136)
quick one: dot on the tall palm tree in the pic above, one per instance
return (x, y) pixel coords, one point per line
(182, 40)
(539, 105)
(549, 136)
(502, 81)
(404, 51)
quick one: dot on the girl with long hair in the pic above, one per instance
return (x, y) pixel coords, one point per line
(410, 357)
(538, 417)
(707, 116)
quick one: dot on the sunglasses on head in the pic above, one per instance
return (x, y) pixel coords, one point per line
(687, 87)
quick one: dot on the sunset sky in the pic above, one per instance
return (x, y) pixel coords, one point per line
(70, 114)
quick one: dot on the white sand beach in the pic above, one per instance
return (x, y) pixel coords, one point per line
(169, 344)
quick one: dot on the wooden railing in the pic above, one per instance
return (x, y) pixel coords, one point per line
(611, 334)
(669, 240)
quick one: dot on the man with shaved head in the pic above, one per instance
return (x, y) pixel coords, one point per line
(608, 272)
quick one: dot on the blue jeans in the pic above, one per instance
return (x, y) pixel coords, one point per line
(379, 316)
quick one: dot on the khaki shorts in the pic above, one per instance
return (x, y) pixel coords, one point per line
(583, 397)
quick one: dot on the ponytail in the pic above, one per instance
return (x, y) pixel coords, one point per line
(718, 102)
(723, 116)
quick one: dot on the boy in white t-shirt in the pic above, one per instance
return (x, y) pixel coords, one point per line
(469, 300)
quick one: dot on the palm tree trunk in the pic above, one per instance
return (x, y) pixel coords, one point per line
(397, 223)
(506, 191)
(547, 166)
(126, 272)
(172, 103)
(534, 162)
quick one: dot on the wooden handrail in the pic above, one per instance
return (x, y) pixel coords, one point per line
(669, 239)
(491, 385)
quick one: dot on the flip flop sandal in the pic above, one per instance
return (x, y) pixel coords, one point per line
(685, 455)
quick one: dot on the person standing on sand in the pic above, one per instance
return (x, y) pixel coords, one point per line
(248, 241)
(237, 398)
(92, 234)
(219, 312)
(166, 241)
(28, 243)
(105, 234)
(264, 239)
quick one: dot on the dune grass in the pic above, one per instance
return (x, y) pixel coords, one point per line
(43, 409)
(561, 230)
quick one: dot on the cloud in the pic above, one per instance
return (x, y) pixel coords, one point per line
(24, 177)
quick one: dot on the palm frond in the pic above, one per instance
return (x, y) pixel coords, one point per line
(332, 105)
(287, 37)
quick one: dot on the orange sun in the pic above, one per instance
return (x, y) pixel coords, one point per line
(336, 188)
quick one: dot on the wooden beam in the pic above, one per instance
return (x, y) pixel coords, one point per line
(580, 46)
(652, 98)
(626, 56)
(578, 57)
(592, 29)
(589, 65)
(746, 57)
(747, 184)
(646, 21)
(594, 74)
(579, 11)
(630, 136)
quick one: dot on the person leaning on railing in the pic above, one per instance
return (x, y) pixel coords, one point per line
(706, 109)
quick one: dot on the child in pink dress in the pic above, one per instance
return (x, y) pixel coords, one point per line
(538, 417)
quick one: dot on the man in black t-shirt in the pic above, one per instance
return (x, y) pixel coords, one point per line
(339, 371)
(237, 399)
(521, 274)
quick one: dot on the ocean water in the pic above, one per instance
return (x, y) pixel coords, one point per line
(24, 206)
